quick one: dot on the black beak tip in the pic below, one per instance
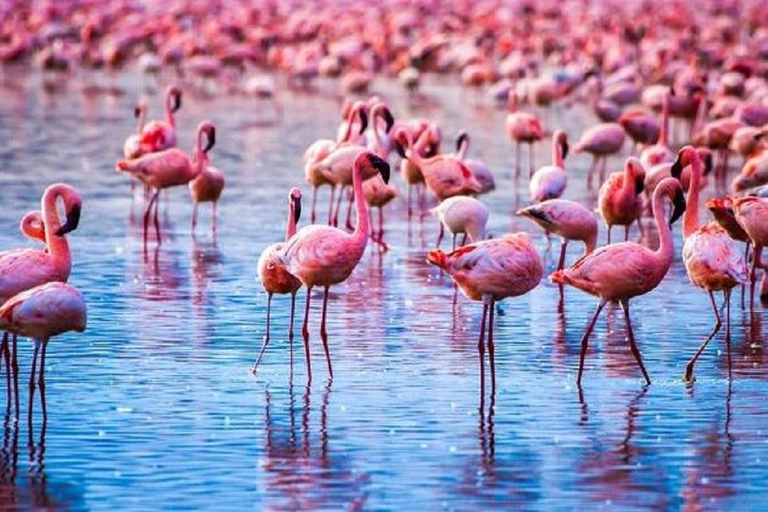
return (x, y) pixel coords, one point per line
(73, 220)
(177, 101)
(565, 149)
(211, 139)
(363, 121)
(677, 169)
(389, 120)
(380, 165)
(136, 112)
(679, 206)
(296, 210)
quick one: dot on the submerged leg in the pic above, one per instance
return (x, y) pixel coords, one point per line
(688, 376)
(266, 336)
(330, 206)
(290, 329)
(440, 236)
(727, 294)
(324, 332)
(305, 334)
(34, 366)
(585, 340)
(194, 217)
(491, 348)
(563, 248)
(632, 344)
(313, 214)
(481, 349)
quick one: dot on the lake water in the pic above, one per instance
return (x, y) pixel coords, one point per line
(154, 406)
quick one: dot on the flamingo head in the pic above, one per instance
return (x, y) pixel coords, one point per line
(294, 199)
(685, 157)
(461, 140)
(389, 119)
(437, 258)
(562, 139)
(207, 128)
(375, 162)
(401, 141)
(705, 155)
(72, 207)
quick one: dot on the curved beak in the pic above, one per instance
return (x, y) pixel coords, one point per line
(380, 165)
(564, 148)
(388, 119)
(296, 209)
(462, 139)
(363, 121)
(679, 206)
(177, 101)
(639, 185)
(73, 219)
(136, 112)
(211, 132)
(400, 148)
(677, 168)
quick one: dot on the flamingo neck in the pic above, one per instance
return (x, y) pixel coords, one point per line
(691, 215)
(142, 119)
(169, 111)
(629, 180)
(58, 247)
(557, 155)
(363, 228)
(666, 249)
(411, 153)
(290, 228)
(664, 135)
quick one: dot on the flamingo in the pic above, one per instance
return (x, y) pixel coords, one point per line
(490, 271)
(161, 135)
(480, 170)
(321, 148)
(619, 198)
(753, 174)
(659, 153)
(445, 175)
(710, 255)
(273, 275)
(522, 128)
(722, 211)
(206, 188)
(23, 269)
(600, 141)
(619, 272)
(325, 256)
(461, 214)
(641, 126)
(424, 144)
(41, 313)
(567, 219)
(549, 181)
(752, 215)
(169, 168)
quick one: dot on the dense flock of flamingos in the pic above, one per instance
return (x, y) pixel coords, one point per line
(686, 84)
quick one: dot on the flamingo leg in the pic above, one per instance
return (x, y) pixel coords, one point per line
(324, 332)
(215, 216)
(348, 223)
(746, 258)
(491, 348)
(41, 376)
(305, 334)
(688, 376)
(585, 340)
(531, 160)
(453, 245)
(603, 165)
(338, 206)
(591, 171)
(313, 215)
(440, 236)
(290, 329)
(563, 248)
(755, 259)
(408, 201)
(194, 217)
(15, 372)
(481, 349)
(610, 227)
(464, 240)
(517, 160)
(6, 354)
(727, 294)
(626, 232)
(266, 336)
(147, 213)
(330, 206)
(632, 344)
(34, 367)
(381, 223)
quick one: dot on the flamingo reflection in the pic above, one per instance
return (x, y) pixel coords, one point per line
(301, 473)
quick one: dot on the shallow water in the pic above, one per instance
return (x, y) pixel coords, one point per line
(154, 405)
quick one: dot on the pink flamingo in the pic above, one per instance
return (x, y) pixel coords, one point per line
(480, 170)
(619, 272)
(490, 271)
(641, 126)
(132, 145)
(461, 214)
(40, 313)
(752, 214)
(169, 168)
(273, 275)
(445, 175)
(206, 188)
(619, 198)
(325, 256)
(567, 219)
(23, 269)
(522, 128)
(710, 255)
(161, 135)
(722, 211)
(549, 182)
(600, 141)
